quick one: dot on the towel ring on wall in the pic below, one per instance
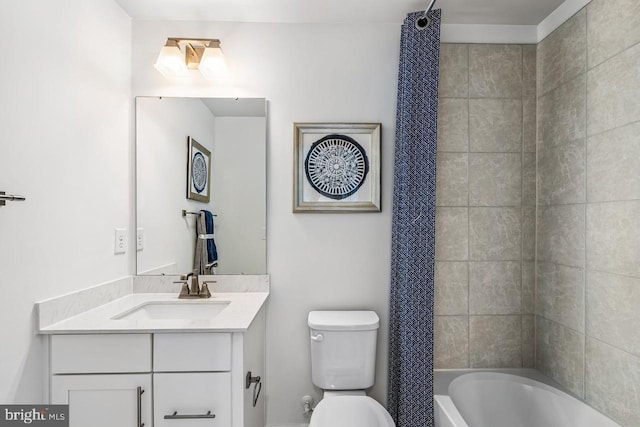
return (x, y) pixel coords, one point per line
(257, 386)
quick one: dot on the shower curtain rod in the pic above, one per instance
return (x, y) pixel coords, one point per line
(423, 21)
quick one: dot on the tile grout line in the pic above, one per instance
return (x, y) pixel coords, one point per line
(480, 152)
(483, 207)
(567, 81)
(491, 98)
(620, 349)
(586, 201)
(594, 270)
(602, 132)
(602, 202)
(548, 319)
(476, 261)
(535, 222)
(522, 168)
(611, 57)
(560, 264)
(468, 203)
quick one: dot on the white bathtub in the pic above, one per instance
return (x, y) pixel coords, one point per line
(499, 399)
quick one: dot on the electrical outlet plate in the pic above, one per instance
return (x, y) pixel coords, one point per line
(120, 243)
(140, 239)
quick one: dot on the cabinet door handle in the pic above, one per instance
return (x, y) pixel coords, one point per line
(140, 391)
(175, 416)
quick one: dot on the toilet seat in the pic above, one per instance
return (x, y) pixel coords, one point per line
(350, 411)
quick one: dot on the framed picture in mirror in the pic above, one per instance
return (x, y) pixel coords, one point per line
(198, 172)
(336, 167)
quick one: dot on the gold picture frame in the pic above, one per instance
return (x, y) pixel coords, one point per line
(336, 167)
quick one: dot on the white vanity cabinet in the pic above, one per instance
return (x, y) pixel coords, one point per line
(161, 379)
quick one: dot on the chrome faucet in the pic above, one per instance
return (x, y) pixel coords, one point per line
(195, 290)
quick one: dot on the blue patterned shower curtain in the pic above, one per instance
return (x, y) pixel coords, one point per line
(410, 396)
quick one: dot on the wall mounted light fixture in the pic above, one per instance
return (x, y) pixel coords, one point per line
(179, 55)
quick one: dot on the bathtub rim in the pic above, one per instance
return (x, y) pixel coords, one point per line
(444, 406)
(444, 377)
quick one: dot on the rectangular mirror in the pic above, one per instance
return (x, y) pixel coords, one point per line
(233, 131)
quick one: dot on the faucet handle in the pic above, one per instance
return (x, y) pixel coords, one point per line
(184, 290)
(183, 282)
(204, 291)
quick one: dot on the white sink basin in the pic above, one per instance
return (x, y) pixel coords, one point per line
(174, 310)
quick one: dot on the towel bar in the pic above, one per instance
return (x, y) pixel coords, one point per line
(185, 213)
(9, 198)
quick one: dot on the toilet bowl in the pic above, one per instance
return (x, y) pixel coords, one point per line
(343, 353)
(350, 411)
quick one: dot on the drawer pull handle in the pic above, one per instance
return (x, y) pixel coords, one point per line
(175, 416)
(140, 391)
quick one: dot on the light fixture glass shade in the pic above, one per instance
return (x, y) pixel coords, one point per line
(212, 65)
(171, 62)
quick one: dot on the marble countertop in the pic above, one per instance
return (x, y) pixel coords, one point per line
(236, 317)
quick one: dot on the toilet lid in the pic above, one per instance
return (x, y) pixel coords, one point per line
(350, 411)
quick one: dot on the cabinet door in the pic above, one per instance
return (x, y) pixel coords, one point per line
(192, 399)
(104, 400)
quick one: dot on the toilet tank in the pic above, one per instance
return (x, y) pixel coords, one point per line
(343, 349)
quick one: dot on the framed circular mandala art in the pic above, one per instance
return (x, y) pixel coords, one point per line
(198, 172)
(336, 167)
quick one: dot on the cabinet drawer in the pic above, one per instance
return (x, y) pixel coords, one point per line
(108, 353)
(192, 352)
(187, 397)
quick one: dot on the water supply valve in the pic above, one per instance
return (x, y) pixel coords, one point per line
(307, 403)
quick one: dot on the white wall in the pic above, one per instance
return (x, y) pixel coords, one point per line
(238, 180)
(162, 128)
(340, 73)
(65, 94)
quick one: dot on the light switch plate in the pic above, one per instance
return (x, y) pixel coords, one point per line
(120, 243)
(140, 239)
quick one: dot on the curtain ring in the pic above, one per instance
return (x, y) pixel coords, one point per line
(423, 21)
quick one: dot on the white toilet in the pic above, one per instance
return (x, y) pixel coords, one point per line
(343, 358)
